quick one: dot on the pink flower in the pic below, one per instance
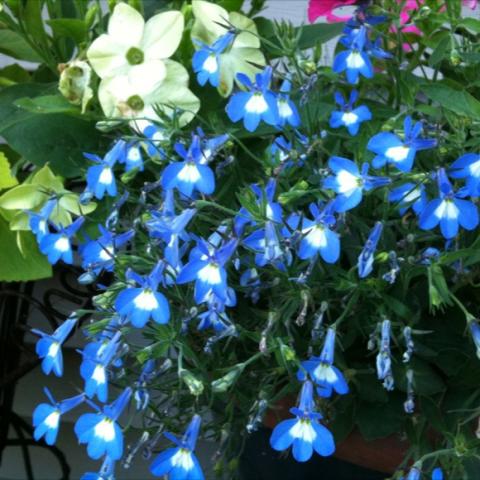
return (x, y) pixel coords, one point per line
(470, 3)
(325, 8)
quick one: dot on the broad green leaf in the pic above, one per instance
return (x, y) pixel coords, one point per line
(56, 138)
(7, 180)
(70, 203)
(312, 35)
(12, 74)
(377, 420)
(231, 5)
(44, 177)
(74, 28)
(440, 52)
(14, 45)
(472, 24)
(22, 197)
(18, 267)
(46, 104)
(458, 101)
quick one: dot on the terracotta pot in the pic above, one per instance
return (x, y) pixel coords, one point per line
(383, 455)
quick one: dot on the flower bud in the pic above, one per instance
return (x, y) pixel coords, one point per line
(193, 383)
(74, 82)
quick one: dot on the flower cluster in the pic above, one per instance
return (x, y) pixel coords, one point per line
(161, 264)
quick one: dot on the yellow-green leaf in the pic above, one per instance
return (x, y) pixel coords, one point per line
(7, 180)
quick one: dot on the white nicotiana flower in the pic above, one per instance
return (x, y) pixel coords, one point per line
(132, 59)
(211, 22)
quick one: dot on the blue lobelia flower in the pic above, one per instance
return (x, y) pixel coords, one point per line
(215, 316)
(100, 431)
(57, 246)
(49, 347)
(206, 60)
(97, 357)
(180, 462)
(100, 178)
(437, 474)
(354, 61)
(46, 416)
(155, 137)
(265, 242)
(170, 228)
(365, 259)
(141, 394)
(287, 110)
(414, 474)
(106, 472)
(384, 359)
(349, 183)
(190, 174)
(132, 157)
(139, 304)
(449, 210)
(259, 103)
(349, 117)
(392, 149)
(38, 222)
(468, 167)
(210, 146)
(409, 195)
(99, 254)
(206, 267)
(321, 370)
(317, 236)
(475, 332)
(305, 432)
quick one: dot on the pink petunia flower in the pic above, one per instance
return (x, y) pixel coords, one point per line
(470, 3)
(325, 8)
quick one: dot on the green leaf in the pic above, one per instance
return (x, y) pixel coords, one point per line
(12, 74)
(14, 45)
(312, 35)
(18, 267)
(458, 101)
(7, 180)
(230, 5)
(57, 138)
(472, 24)
(440, 51)
(378, 420)
(32, 16)
(74, 28)
(22, 197)
(46, 104)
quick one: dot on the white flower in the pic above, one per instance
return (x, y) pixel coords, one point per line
(138, 78)
(131, 44)
(245, 49)
(133, 96)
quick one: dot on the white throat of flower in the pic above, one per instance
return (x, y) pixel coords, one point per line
(146, 300)
(256, 104)
(189, 173)
(349, 118)
(210, 274)
(397, 154)
(303, 429)
(62, 244)
(52, 420)
(447, 209)
(355, 60)
(105, 430)
(346, 182)
(183, 459)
